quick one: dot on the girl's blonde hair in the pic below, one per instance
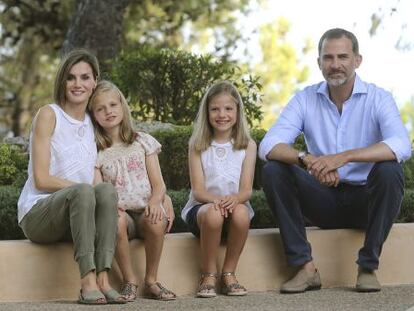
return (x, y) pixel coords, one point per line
(203, 132)
(126, 131)
(68, 61)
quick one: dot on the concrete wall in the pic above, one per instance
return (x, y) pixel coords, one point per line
(30, 272)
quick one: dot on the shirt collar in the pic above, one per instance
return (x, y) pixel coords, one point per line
(216, 144)
(359, 87)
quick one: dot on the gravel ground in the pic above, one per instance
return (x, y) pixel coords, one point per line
(343, 299)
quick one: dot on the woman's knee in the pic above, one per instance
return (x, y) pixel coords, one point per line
(83, 191)
(210, 217)
(82, 197)
(106, 192)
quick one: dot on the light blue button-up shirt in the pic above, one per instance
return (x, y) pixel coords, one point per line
(369, 116)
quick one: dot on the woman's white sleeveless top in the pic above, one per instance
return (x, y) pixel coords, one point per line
(222, 167)
(72, 157)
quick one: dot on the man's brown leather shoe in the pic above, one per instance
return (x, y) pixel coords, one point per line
(367, 281)
(302, 282)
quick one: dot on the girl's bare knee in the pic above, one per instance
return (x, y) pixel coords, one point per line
(151, 228)
(240, 215)
(210, 217)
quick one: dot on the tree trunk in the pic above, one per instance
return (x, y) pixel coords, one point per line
(22, 101)
(96, 26)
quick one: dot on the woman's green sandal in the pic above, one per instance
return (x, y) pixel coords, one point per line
(93, 297)
(113, 297)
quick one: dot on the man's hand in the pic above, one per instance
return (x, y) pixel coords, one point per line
(330, 179)
(324, 168)
(321, 166)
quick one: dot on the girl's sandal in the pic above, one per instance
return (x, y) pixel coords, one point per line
(129, 291)
(161, 292)
(207, 290)
(232, 289)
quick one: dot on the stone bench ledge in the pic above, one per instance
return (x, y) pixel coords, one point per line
(32, 272)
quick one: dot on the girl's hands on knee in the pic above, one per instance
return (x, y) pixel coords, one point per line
(154, 212)
(171, 217)
(218, 207)
(229, 202)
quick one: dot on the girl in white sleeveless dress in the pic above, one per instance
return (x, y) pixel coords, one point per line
(222, 158)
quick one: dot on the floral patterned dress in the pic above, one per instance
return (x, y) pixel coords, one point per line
(124, 166)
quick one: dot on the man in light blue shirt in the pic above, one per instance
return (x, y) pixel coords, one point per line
(351, 176)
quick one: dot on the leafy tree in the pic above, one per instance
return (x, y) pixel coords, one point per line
(33, 32)
(25, 85)
(167, 85)
(46, 20)
(280, 69)
(31, 35)
(174, 24)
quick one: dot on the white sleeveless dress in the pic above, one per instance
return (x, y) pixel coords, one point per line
(222, 169)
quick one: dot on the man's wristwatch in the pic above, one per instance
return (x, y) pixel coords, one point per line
(301, 158)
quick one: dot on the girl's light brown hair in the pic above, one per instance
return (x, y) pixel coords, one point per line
(126, 131)
(203, 132)
(68, 61)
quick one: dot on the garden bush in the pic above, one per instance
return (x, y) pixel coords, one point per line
(407, 207)
(167, 85)
(13, 165)
(173, 160)
(409, 173)
(9, 229)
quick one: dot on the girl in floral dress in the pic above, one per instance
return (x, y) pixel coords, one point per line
(129, 160)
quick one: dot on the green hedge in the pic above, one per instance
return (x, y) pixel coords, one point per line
(409, 173)
(9, 229)
(13, 165)
(173, 160)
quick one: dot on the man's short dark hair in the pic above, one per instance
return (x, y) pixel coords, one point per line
(337, 33)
